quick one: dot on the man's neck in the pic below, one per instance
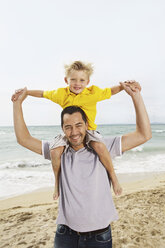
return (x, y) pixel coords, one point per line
(76, 148)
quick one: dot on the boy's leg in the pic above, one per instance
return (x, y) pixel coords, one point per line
(104, 156)
(56, 165)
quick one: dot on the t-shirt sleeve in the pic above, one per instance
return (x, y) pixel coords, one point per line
(113, 145)
(102, 94)
(54, 95)
(45, 149)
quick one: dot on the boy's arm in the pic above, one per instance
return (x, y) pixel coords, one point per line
(132, 84)
(53, 95)
(35, 93)
(116, 89)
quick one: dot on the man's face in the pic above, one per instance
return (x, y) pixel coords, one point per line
(75, 128)
(77, 81)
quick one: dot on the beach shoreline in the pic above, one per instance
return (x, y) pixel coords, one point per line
(29, 220)
(130, 182)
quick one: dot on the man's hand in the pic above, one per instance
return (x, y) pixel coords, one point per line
(132, 84)
(131, 87)
(19, 95)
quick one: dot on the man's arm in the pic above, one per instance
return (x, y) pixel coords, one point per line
(143, 129)
(22, 134)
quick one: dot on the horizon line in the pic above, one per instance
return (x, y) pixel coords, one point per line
(107, 124)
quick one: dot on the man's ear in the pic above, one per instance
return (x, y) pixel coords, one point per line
(86, 125)
(65, 79)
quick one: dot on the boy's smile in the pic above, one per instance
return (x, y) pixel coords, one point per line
(77, 81)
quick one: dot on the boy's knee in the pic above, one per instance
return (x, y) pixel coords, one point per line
(99, 147)
(56, 152)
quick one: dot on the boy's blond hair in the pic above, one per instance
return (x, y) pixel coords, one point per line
(79, 66)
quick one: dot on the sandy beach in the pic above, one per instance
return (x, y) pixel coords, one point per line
(29, 220)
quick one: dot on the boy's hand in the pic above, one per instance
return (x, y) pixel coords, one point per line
(132, 84)
(16, 95)
(19, 95)
(129, 88)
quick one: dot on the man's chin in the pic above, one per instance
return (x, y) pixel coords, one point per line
(77, 144)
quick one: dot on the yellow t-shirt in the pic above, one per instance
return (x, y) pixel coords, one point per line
(86, 100)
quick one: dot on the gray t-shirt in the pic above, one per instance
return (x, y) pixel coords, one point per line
(85, 202)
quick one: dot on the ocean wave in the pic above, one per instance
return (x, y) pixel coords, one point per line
(159, 131)
(2, 133)
(137, 149)
(23, 164)
(133, 163)
(148, 149)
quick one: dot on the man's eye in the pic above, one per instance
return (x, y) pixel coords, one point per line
(67, 128)
(79, 125)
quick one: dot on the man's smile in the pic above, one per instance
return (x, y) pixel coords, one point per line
(75, 137)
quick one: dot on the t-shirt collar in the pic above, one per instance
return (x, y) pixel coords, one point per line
(84, 92)
(69, 148)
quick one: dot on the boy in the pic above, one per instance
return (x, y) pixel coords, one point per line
(77, 76)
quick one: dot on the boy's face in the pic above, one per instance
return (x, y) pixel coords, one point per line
(77, 81)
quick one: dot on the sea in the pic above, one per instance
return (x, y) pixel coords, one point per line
(23, 171)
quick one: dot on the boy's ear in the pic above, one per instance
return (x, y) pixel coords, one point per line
(88, 81)
(65, 79)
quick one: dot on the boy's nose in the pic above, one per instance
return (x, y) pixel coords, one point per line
(78, 81)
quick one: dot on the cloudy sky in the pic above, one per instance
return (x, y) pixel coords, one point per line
(124, 39)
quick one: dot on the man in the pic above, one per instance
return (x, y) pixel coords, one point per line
(85, 206)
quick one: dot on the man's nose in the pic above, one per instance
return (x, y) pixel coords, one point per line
(74, 131)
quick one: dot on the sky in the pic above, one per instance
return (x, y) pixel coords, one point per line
(124, 39)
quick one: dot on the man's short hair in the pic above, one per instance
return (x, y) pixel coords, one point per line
(71, 110)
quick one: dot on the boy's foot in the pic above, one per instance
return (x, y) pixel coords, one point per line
(117, 188)
(56, 193)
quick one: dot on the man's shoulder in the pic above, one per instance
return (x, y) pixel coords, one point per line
(113, 144)
(111, 139)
